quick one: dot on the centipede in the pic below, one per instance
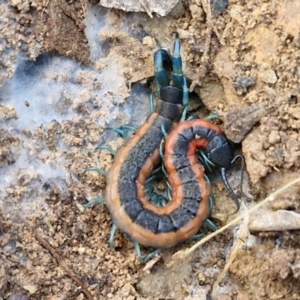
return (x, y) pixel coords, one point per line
(125, 196)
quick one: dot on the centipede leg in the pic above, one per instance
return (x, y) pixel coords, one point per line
(210, 224)
(139, 255)
(98, 200)
(152, 102)
(198, 236)
(106, 147)
(212, 116)
(95, 169)
(112, 236)
(207, 224)
(205, 161)
(122, 130)
(192, 117)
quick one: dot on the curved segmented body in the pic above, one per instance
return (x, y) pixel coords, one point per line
(125, 196)
(181, 218)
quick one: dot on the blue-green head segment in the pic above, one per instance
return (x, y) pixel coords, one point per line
(220, 153)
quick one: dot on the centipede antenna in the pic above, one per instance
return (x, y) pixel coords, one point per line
(106, 147)
(230, 190)
(95, 169)
(112, 236)
(98, 200)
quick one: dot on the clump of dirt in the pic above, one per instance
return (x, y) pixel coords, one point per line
(267, 273)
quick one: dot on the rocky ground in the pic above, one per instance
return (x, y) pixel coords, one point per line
(68, 70)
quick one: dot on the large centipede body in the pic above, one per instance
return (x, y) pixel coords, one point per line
(125, 196)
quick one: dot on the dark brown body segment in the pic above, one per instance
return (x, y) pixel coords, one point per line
(181, 218)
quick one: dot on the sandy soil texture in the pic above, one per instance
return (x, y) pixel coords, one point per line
(69, 70)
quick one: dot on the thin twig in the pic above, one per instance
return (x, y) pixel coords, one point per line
(63, 264)
(145, 7)
(184, 253)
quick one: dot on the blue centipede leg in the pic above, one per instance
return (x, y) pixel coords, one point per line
(159, 200)
(161, 151)
(121, 132)
(169, 193)
(211, 225)
(152, 102)
(192, 117)
(151, 178)
(207, 224)
(139, 255)
(128, 127)
(112, 236)
(198, 236)
(95, 169)
(212, 117)
(98, 200)
(106, 147)
(155, 171)
(163, 130)
(177, 64)
(149, 189)
(205, 161)
(162, 155)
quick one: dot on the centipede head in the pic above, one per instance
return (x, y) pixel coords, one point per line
(219, 151)
(221, 154)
